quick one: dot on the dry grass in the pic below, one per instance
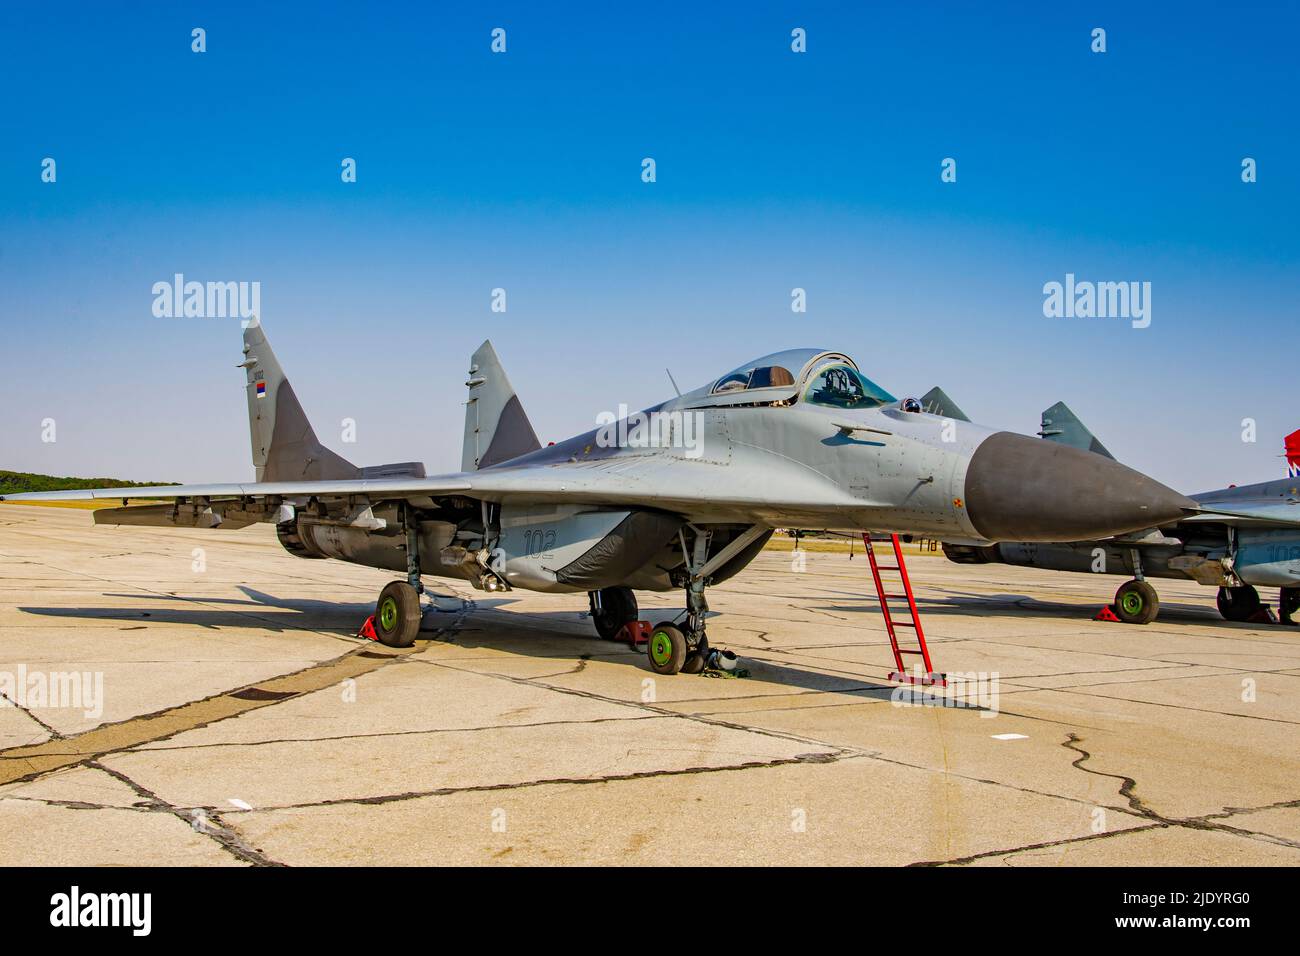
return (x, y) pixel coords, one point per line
(84, 505)
(783, 542)
(93, 505)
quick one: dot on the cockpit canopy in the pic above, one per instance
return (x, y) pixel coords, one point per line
(760, 376)
(815, 376)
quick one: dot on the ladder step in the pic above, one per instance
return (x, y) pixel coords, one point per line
(928, 680)
(889, 612)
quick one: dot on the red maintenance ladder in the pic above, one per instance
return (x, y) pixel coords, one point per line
(929, 676)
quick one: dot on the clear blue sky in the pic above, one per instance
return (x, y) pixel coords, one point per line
(522, 171)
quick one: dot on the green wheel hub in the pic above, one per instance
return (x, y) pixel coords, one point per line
(1132, 603)
(388, 614)
(661, 648)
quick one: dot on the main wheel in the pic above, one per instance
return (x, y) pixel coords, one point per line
(1238, 604)
(397, 615)
(1136, 602)
(617, 607)
(1288, 602)
(666, 649)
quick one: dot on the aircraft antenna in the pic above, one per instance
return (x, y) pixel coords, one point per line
(674, 381)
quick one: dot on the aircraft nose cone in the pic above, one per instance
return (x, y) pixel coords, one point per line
(1028, 489)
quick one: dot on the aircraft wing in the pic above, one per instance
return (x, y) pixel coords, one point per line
(385, 487)
(696, 489)
(1269, 503)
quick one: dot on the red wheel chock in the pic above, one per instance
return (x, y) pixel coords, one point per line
(1106, 614)
(368, 629)
(636, 633)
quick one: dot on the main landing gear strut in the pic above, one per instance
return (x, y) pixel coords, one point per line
(672, 649)
(397, 613)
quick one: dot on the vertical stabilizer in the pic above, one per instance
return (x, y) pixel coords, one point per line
(285, 447)
(937, 402)
(1062, 425)
(496, 428)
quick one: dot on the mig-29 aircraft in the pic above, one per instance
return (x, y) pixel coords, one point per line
(680, 496)
(1243, 538)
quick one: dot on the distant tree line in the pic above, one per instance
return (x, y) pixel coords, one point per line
(16, 482)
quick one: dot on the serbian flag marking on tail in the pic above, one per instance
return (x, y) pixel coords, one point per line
(261, 393)
(1293, 454)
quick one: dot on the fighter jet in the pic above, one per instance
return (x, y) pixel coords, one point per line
(1243, 538)
(682, 495)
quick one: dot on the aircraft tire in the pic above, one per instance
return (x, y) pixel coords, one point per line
(1238, 604)
(697, 658)
(397, 615)
(666, 649)
(1288, 602)
(1136, 602)
(618, 607)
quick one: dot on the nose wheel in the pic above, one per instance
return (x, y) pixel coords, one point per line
(672, 649)
(1136, 602)
(397, 615)
(696, 657)
(666, 649)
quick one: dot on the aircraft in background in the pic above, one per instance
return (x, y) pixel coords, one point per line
(680, 496)
(1244, 538)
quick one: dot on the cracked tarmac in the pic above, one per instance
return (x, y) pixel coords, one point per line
(243, 724)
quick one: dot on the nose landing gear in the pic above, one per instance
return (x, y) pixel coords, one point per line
(397, 615)
(1136, 602)
(672, 649)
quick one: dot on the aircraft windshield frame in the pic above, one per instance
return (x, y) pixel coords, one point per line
(845, 388)
(755, 377)
(793, 361)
